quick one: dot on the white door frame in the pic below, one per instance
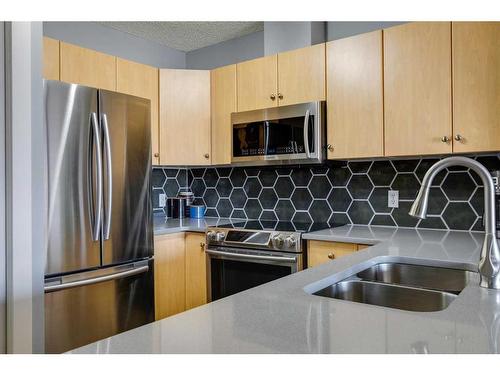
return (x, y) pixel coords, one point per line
(25, 187)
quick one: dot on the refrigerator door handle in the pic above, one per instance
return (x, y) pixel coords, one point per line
(72, 282)
(96, 215)
(109, 171)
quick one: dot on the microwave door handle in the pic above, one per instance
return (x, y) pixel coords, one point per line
(306, 134)
(266, 137)
(95, 212)
(109, 177)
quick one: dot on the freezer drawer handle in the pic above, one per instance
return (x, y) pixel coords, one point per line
(95, 280)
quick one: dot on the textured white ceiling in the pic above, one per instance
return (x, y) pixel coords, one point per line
(187, 36)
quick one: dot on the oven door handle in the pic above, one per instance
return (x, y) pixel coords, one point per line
(249, 256)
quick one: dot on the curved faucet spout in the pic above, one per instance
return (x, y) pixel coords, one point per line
(489, 264)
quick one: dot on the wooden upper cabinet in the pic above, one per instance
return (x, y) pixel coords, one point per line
(257, 83)
(87, 67)
(50, 58)
(185, 134)
(301, 75)
(141, 80)
(417, 89)
(196, 270)
(223, 86)
(476, 86)
(355, 96)
(169, 275)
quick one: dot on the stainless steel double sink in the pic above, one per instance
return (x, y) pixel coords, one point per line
(402, 286)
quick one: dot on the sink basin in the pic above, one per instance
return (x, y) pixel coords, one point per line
(438, 278)
(388, 295)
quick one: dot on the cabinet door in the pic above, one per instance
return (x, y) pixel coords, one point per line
(169, 274)
(141, 80)
(301, 75)
(223, 86)
(50, 58)
(87, 67)
(355, 97)
(184, 117)
(319, 252)
(417, 88)
(196, 270)
(257, 83)
(476, 86)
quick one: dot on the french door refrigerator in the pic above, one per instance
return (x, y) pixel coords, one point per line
(99, 265)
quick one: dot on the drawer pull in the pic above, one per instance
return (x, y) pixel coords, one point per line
(331, 256)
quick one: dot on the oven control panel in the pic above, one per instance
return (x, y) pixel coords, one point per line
(271, 240)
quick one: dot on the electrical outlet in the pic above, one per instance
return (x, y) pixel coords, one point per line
(162, 200)
(393, 198)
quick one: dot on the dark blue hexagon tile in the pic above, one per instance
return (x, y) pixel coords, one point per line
(252, 187)
(224, 207)
(301, 199)
(459, 216)
(320, 187)
(339, 199)
(238, 177)
(458, 186)
(301, 177)
(382, 173)
(158, 178)
(224, 187)
(267, 177)
(407, 185)
(320, 211)
(339, 174)
(238, 198)
(360, 186)
(268, 198)
(283, 187)
(253, 209)
(360, 212)
(284, 210)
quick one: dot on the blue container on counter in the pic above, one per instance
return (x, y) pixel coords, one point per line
(197, 211)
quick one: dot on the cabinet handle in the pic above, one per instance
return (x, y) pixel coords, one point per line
(329, 147)
(272, 96)
(331, 256)
(280, 96)
(157, 154)
(202, 245)
(445, 139)
(206, 156)
(459, 138)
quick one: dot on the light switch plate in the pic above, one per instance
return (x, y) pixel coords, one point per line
(393, 198)
(162, 200)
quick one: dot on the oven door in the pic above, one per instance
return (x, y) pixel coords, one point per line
(234, 270)
(289, 134)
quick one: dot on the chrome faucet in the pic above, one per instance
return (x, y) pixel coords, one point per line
(489, 262)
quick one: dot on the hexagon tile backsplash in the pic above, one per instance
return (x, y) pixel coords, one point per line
(339, 192)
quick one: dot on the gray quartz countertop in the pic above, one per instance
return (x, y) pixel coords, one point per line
(283, 317)
(167, 226)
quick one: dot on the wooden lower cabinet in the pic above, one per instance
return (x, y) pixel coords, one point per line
(196, 270)
(319, 252)
(170, 274)
(180, 273)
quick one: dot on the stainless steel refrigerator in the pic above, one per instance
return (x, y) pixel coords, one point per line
(99, 266)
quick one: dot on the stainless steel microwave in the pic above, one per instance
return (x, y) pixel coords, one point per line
(293, 134)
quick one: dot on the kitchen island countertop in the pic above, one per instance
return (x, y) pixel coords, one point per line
(283, 317)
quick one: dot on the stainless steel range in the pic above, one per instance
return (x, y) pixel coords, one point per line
(246, 254)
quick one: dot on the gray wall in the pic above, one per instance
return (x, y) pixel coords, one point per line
(286, 36)
(105, 39)
(247, 47)
(339, 30)
(277, 37)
